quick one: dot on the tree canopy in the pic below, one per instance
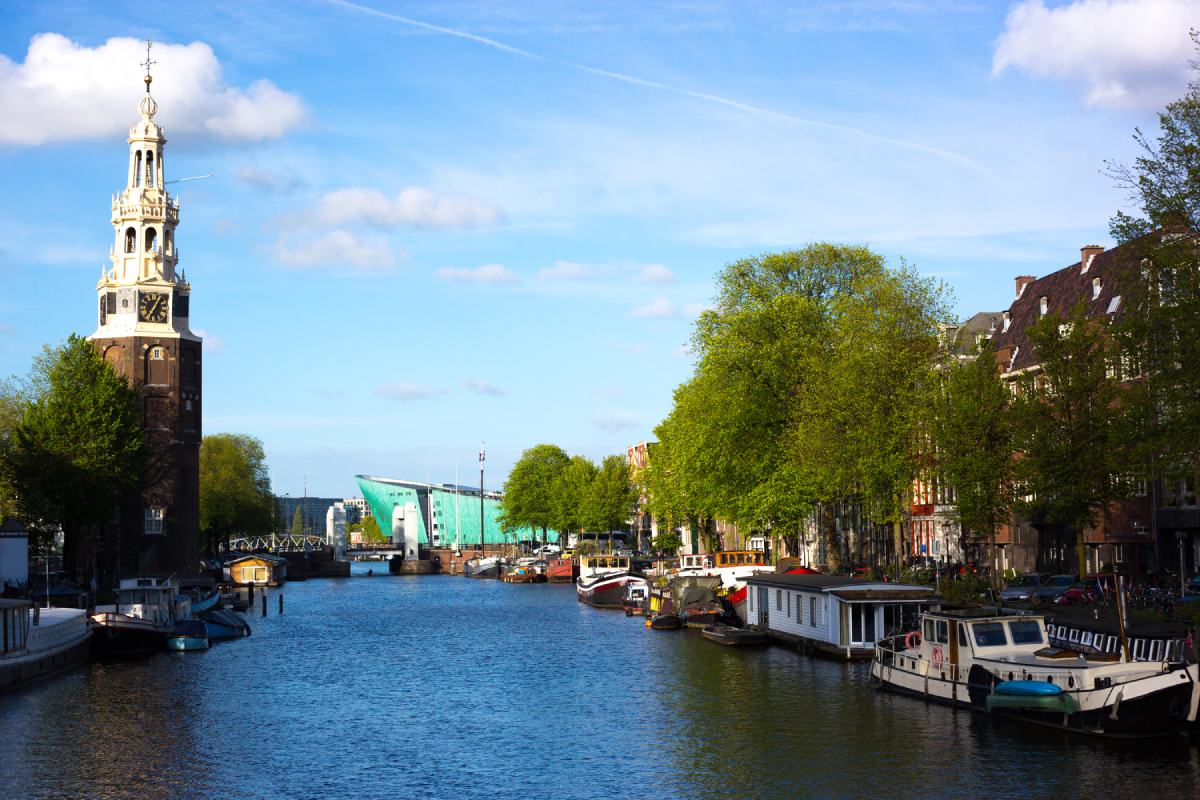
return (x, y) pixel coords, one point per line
(235, 488)
(529, 500)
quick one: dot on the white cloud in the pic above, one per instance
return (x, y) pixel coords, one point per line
(659, 308)
(486, 274)
(566, 271)
(212, 342)
(615, 423)
(268, 180)
(337, 249)
(1125, 53)
(64, 91)
(414, 206)
(476, 386)
(655, 273)
(695, 309)
(405, 391)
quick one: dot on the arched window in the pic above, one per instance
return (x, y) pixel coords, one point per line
(156, 365)
(130, 240)
(137, 168)
(149, 168)
(150, 239)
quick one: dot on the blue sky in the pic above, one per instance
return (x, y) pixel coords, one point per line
(431, 224)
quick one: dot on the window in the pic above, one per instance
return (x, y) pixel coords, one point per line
(778, 600)
(1096, 286)
(789, 604)
(130, 240)
(1025, 632)
(153, 521)
(990, 634)
(962, 635)
(814, 611)
(799, 610)
(157, 353)
(928, 635)
(151, 238)
(1044, 306)
(943, 631)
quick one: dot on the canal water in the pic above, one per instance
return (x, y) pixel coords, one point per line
(443, 687)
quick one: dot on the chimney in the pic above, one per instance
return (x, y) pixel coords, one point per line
(1022, 282)
(1086, 254)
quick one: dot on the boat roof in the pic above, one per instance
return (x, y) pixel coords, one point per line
(844, 586)
(1104, 620)
(14, 603)
(259, 556)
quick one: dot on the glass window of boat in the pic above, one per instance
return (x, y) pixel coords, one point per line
(962, 635)
(989, 634)
(928, 635)
(1026, 632)
(943, 631)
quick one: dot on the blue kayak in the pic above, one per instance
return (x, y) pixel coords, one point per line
(1028, 688)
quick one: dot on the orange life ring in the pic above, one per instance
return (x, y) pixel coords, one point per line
(912, 640)
(937, 657)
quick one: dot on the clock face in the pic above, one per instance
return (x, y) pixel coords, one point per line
(152, 307)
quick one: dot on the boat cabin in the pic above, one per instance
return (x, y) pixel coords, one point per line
(698, 561)
(832, 614)
(596, 565)
(14, 626)
(258, 569)
(741, 558)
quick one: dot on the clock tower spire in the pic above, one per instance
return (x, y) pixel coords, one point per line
(143, 332)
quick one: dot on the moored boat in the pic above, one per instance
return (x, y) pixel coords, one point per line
(603, 579)
(732, 567)
(139, 622)
(560, 570)
(220, 623)
(1005, 666)
(664, 621)
(189, 634)
(489, 567)
(634, 601)
(735, 637)
(38, 643)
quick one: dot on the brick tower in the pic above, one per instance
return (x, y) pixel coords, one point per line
(143, 333)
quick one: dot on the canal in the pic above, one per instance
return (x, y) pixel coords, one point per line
(445, 687)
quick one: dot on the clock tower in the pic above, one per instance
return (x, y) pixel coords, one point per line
(143, 316)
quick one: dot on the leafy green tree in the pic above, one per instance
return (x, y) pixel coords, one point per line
(569, 495)
(529, 490)
(235, 488)
(372, 532)
(667, 542)
(10, 417)
(609, 501)
(77, 448)
(1069, 425)
(297, 523)
(1159, 329)
(973, 444)
(863, 429)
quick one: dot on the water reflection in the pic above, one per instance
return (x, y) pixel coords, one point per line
(446, 687)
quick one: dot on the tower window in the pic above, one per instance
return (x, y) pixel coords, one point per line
(157, 353)
(151, 239)
(137, 168)
(130, 240)
(149, 169)
(153, 521)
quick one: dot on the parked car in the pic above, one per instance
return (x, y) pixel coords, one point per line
(1052, 588)
(548, 550)
(1021, 588)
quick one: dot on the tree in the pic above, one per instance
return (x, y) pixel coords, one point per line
(10, 417)
(973, 444)
(372, 532)
(298, 523)
(569, 496)
(235, 488)
(863, 428)
(667, 542)
(1069, 425)
(77, 447)
(609, 501)
(529, 490)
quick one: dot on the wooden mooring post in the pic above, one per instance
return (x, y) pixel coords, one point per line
(264, 602)
(281, 604)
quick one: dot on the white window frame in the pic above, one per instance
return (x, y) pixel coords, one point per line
(152, 521)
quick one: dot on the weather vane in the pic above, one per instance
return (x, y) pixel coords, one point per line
(147, 64)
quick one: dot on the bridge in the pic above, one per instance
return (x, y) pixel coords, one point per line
(304, 543)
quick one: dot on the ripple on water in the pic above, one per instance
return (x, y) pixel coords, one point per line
(445, 687)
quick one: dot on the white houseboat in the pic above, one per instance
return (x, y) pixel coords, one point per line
(140, 621)
(733, 567)
(36, 643)
(603, 580)
(833, 614)
(1005, 666)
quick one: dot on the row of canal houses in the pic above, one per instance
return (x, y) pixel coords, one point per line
(1158, 528)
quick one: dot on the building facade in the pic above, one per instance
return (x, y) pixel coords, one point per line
(143, 315)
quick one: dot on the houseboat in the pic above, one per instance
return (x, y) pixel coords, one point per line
(834, 615)
(1096, 632)
(489, 567)
(603, 578)
(36, 643)
(141, 620)
(733, 567)
(257, 569)
(560, 570)
(1005, 666)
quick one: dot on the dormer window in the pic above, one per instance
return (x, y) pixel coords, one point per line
(1096, 286)
(1006, 323)
(1044, 306)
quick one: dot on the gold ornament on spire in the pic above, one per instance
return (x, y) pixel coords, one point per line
(147, 64)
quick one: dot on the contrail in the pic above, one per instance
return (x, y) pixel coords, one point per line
(948, 155)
